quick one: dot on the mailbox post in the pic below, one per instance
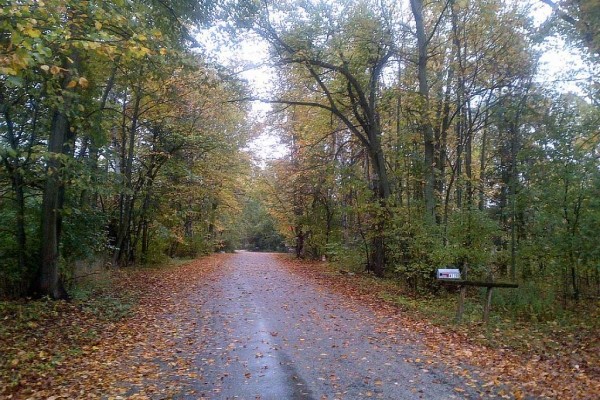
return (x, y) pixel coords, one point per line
(452, 276)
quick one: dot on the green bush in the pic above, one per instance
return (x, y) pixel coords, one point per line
(469, 238)
(414, 248)
(531, 301)
(349, 258)
(81, 237)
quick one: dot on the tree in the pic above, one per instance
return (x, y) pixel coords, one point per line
(425, 125)
(342, 72)
(82, 82)
(582, 19)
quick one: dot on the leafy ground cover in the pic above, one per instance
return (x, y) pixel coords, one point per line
(552, 359)
(112, 338)
(59, 349)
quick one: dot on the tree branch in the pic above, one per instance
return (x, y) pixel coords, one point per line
(332, 110)
(561, 13)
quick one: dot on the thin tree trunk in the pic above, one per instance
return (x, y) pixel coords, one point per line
(482, 164)
(145, 241)
(469, 166)
(17, 183)
(398, 153)
(459, 159)
(442, 138)
(299, 242)
(92, 145)
(460, 107)
(127, 198)
(425, 123)
(513, 198)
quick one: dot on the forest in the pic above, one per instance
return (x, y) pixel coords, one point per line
(417, 135)
(420, 136)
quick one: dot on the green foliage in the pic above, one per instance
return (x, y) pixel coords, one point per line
(194, 246)
(140, 108)
(151, 165)
(470, 235)
(531, 301)
(346, 257)
(82, 239)
(515, 166)
(259, 229)
(164, 245)
(13, 279)
(415, 249)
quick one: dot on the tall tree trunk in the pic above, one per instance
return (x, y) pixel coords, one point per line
(20, 234)
(469, 162)
(299, 248)
(398, 153)
(461, 123)
(127, 198)
(442, 135)
(87, 198)
(482, 163)
(425, 122)
(383, 191)
(49, 280)
(459, 158)
(513, 200)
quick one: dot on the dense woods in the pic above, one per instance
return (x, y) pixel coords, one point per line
(421, 135)
(418, 135)
(118, 142)
(412, 135)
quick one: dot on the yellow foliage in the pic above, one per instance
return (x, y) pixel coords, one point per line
(83, 82)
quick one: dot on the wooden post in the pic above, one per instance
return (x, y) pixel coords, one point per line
(463, 294)
(461, 303)
(488, 304)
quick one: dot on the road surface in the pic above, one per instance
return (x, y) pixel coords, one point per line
(260, 331)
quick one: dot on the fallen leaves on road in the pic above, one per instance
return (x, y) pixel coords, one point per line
(67, 350)
(513, 374)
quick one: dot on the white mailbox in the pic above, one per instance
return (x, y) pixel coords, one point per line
(446, 273)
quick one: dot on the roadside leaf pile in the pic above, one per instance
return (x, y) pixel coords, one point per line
(58, 349)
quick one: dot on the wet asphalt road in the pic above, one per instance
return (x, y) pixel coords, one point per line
(267, 333)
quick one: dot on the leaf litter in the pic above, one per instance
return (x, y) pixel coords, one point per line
(68, 351)
(496, 372)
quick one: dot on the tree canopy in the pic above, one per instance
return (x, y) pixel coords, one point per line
(414, 133)
(418, 135)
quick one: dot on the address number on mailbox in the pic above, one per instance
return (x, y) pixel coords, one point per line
(446, 273)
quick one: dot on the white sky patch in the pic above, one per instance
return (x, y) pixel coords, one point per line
(249, 61)
(560, 66)
(253, 55)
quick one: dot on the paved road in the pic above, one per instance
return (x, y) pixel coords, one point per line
(267, 333)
